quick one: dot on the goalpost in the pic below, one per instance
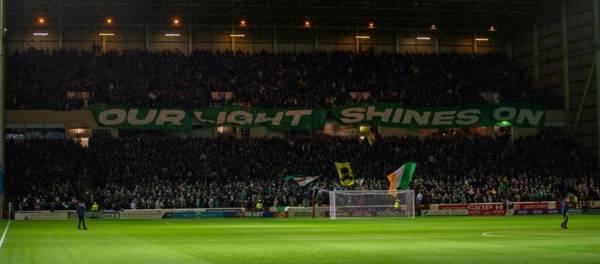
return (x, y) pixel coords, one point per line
(371, 203)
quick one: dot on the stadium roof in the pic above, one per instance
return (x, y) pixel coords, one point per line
(459, 16)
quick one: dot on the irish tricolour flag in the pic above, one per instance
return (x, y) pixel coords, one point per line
(401, 178)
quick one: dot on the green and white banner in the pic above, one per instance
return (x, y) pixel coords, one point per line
(177, 119)
(394, 115)
(380, 114)
(292, 118)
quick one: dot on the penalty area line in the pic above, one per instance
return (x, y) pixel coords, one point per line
(536, 235)
(4, 234)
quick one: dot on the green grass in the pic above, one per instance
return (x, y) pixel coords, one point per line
(422, 240)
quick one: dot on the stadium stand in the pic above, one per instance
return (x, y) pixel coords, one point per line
(40, 79)
(186, 172)
(343, 131)
(174, 172)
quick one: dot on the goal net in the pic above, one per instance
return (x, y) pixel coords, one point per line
(371, 203)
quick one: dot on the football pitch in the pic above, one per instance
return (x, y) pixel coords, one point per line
(534, 239)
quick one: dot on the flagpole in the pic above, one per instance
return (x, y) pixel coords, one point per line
(313, 198)
(2, 101)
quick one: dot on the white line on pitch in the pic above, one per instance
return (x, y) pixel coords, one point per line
(4, 234)
(490, 235)
(531, 235)
(205, 240)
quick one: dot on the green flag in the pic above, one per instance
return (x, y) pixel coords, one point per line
(402, 177)
(300, 179)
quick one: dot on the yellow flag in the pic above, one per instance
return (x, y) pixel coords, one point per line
(345, 173)
(365, 131)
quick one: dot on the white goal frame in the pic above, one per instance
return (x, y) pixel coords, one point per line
(385, 209)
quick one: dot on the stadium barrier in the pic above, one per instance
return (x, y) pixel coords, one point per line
(590, 204)
(145, 214)
(535, 208)
(194, 213)
(474, 209)
(140, 214)
(590, 211)
(198, 213)
(467, 209)
(482, 209)
(590, 207)
(292, 212)
(108, 214)
(43, 215)
(517, 208)
(444, 212)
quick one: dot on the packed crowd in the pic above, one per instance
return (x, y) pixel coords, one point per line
(41, 79)
(176, 172)
(44, 172)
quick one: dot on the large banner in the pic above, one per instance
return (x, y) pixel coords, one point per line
(306, 119)
(381, 114)
(177, 119)
(394, 115)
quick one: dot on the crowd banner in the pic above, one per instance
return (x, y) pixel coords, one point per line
(394, 115)
(377, 114)
(142, 118)
(305, 119)
(178, 119)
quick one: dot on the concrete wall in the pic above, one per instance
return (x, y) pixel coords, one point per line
(557, 51)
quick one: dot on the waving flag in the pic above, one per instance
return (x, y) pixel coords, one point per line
(401, 178)
(301, 180)
(345, 173)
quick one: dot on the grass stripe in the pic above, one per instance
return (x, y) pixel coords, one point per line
(443, 240)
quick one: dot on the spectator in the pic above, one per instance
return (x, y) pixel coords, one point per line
(40, 79)
(174, 172)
